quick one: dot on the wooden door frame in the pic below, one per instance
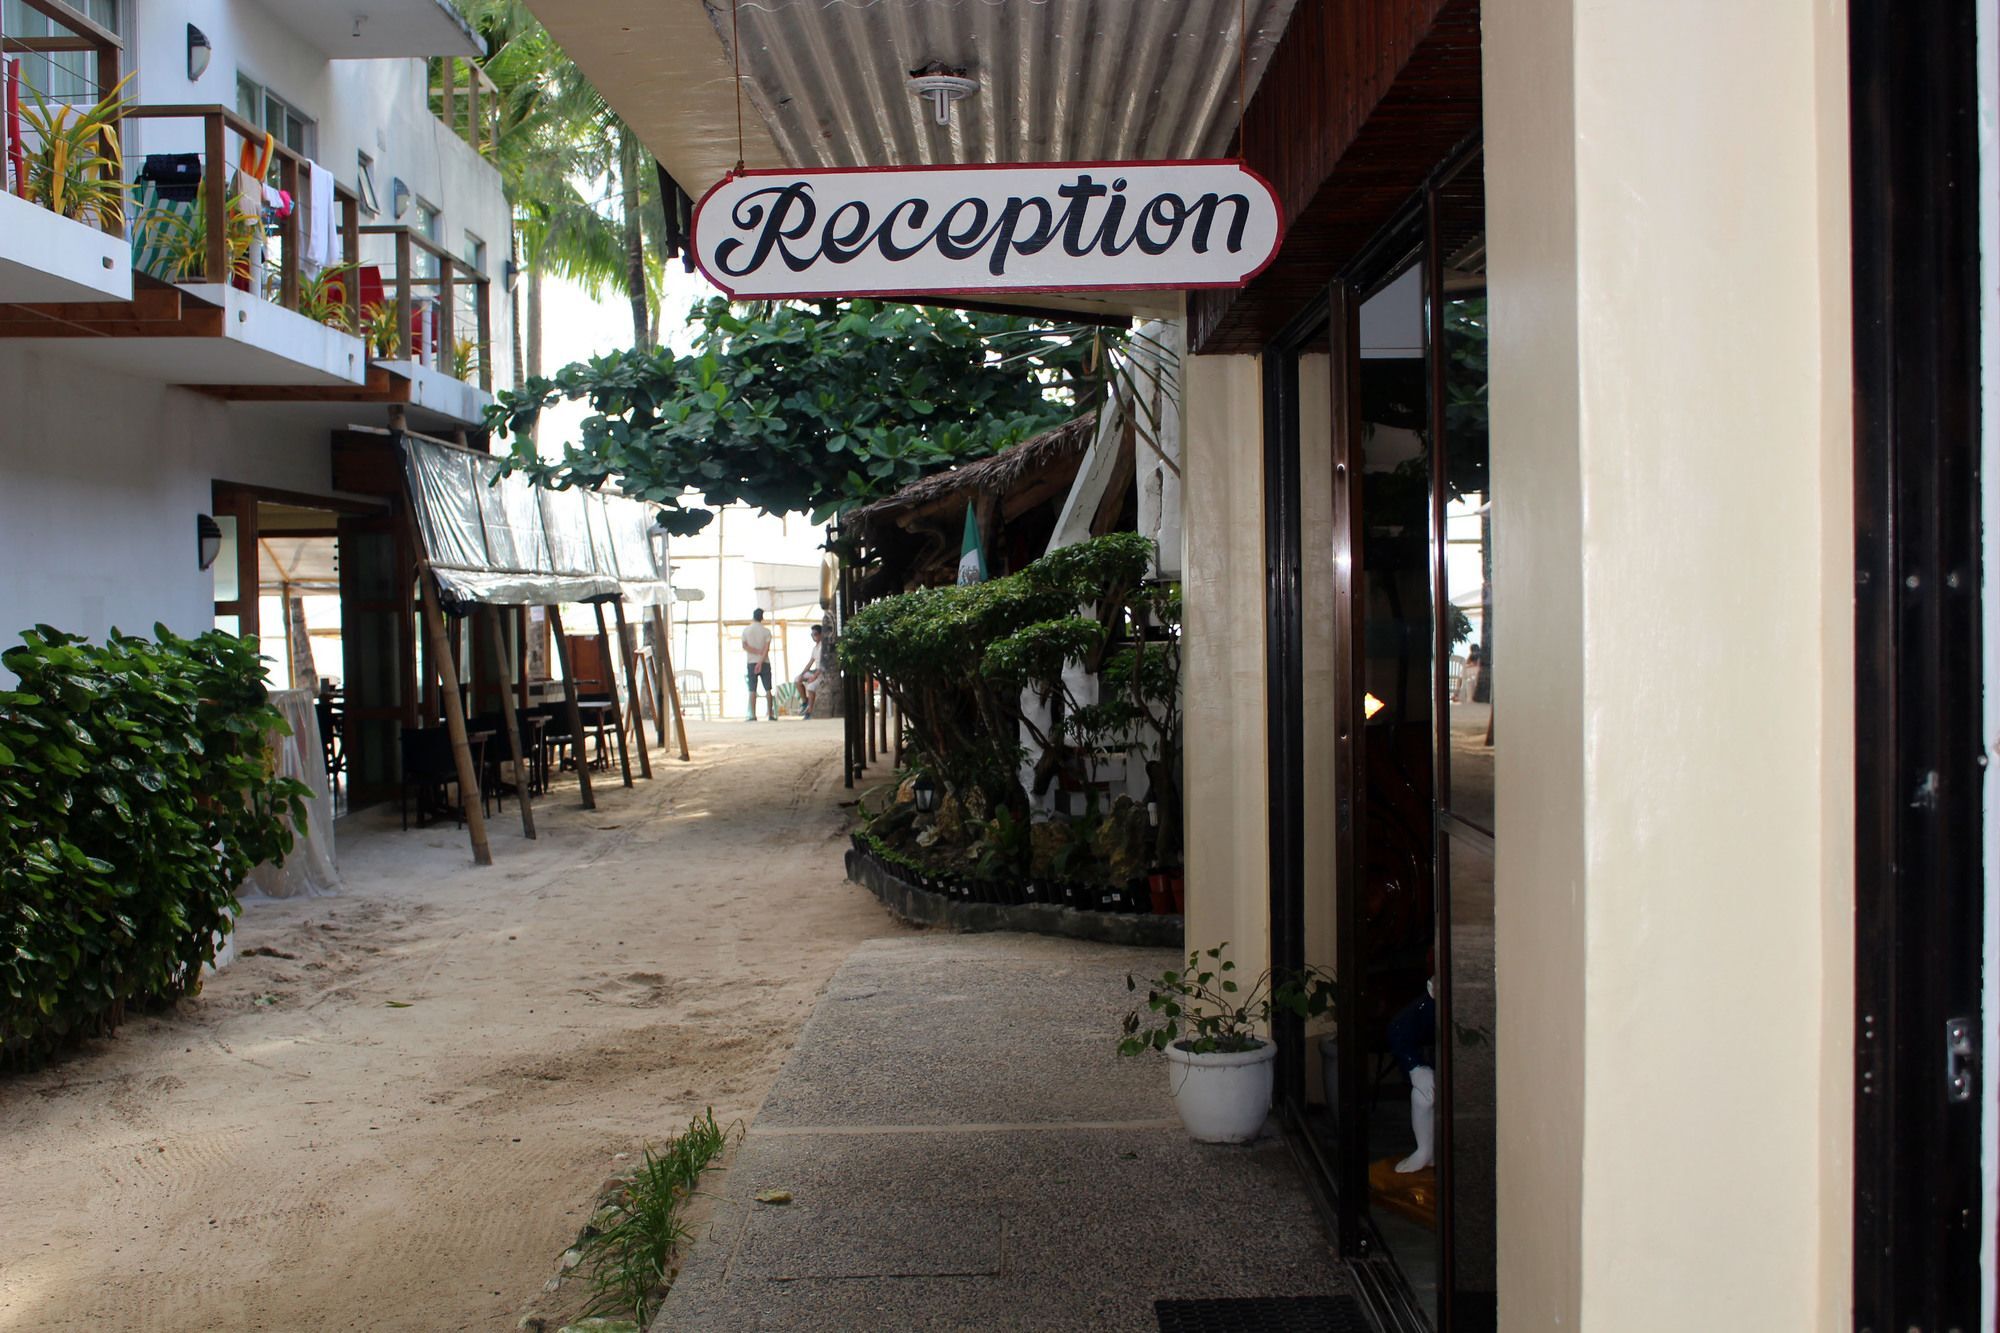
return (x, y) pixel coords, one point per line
(1919, 892)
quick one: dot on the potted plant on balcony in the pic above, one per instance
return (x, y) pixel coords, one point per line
(1208, 1025)
(181, 236)
(77, 169)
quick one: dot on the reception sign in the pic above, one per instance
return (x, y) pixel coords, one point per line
(1050, 227)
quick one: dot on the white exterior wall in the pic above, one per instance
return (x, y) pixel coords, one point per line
(377, 107)
(102, 474)
(101, 477)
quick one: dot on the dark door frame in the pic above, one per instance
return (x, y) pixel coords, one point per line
(1919, 900)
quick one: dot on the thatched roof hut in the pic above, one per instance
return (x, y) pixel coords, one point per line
(913, 537)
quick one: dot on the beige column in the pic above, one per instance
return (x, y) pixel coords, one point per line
(1673, 657)
(1223, 664)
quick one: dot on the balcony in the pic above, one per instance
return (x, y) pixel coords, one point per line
(466, 100)
(55, 249)
(251, 301)
(378, 29)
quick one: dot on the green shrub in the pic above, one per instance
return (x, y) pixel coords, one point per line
(137, 790)
(957, 659)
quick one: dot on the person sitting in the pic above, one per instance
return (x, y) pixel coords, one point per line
(814, 676)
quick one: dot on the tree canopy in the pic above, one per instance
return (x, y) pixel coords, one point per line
(805, 408)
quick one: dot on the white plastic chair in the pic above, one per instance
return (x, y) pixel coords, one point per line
(694, 692)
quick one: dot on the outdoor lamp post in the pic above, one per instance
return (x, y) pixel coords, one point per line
(208, 539)
(927, 797)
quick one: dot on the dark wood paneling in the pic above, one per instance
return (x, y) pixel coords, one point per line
(1919, 887)
(1361, 102)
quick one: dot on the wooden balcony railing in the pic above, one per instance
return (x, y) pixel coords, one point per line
(223, 129)
(466, 100)
(83, 35)
(424, 271)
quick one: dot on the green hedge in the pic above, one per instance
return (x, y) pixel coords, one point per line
(137, 790)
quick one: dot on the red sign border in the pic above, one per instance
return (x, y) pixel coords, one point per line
(914, 296)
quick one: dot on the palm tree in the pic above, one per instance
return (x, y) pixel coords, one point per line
(585, 207)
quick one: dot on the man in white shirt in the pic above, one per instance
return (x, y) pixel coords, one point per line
(757, 657)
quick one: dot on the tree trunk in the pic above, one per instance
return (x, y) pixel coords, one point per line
(514, 305)
(635, 234)
(534, 327)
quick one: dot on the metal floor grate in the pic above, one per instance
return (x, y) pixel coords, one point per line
(1264, 1314)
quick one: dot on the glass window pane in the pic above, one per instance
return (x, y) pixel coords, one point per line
(226, 578)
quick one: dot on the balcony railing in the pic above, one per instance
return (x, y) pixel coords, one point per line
(217, 239)
(82, 35)
(466, 100)
(433, 307)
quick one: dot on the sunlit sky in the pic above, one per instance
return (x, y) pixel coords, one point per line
(576, 327)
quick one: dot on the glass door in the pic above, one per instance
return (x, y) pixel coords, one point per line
(1381, 753)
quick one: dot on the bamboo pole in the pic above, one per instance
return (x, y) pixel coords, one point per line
(617, 713)
(523, 778)
(569, 703)
(665, 629)
(454, 718)
(626, 649)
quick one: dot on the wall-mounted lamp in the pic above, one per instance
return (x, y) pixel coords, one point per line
(208, 539)
(199, 52)
(510, 271)
(399, 198)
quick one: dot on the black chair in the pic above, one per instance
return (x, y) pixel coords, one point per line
(429, 768)
(331, 741)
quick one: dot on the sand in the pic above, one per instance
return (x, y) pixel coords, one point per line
(398, 1116)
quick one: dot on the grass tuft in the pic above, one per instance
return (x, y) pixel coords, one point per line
(628, 1257)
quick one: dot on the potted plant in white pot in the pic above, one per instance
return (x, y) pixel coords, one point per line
(1209, 1025)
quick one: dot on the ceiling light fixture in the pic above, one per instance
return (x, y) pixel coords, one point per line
(943, 85)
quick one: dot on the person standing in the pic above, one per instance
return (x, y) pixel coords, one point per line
(757, 660)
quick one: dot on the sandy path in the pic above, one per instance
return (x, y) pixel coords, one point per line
(290, 1151)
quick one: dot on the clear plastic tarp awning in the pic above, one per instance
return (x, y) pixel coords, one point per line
(505, 541)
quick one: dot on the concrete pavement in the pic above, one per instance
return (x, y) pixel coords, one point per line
(966, 1151)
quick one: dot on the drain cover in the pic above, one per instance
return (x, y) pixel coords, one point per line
(1264, 1314)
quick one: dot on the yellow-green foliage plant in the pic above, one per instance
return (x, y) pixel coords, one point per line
(77, 168)
(182, 235)
(323, 296)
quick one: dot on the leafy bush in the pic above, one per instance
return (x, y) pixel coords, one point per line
(136, 791)
(958, 658)
(797, 407)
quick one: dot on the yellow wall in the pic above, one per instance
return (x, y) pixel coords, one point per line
(1222, 674)
(1668, 254)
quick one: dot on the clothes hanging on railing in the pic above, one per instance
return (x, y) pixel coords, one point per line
(317, 247)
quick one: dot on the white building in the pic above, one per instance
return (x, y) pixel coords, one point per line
(139, 396)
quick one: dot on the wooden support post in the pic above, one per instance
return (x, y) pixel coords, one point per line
(617, 713)
(350, 255)
(454, 718)
(625, 649)
(664, 628)
(868, 716)
(516, 742)
(579, 745)
(215, 198)
(288, 235)
(406, 347)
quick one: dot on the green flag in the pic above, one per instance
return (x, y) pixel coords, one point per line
(971, 564)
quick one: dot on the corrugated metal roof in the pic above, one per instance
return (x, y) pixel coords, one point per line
(1060, 80)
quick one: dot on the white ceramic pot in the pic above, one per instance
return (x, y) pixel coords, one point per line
(1223, 1096)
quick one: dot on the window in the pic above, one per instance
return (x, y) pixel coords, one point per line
(67, 76)
(364, 185)
(260, 106)
(427, 219)
(475, 253)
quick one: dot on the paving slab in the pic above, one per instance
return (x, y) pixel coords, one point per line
(965, 1150)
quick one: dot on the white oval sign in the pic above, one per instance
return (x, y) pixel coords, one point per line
(1047, 227)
